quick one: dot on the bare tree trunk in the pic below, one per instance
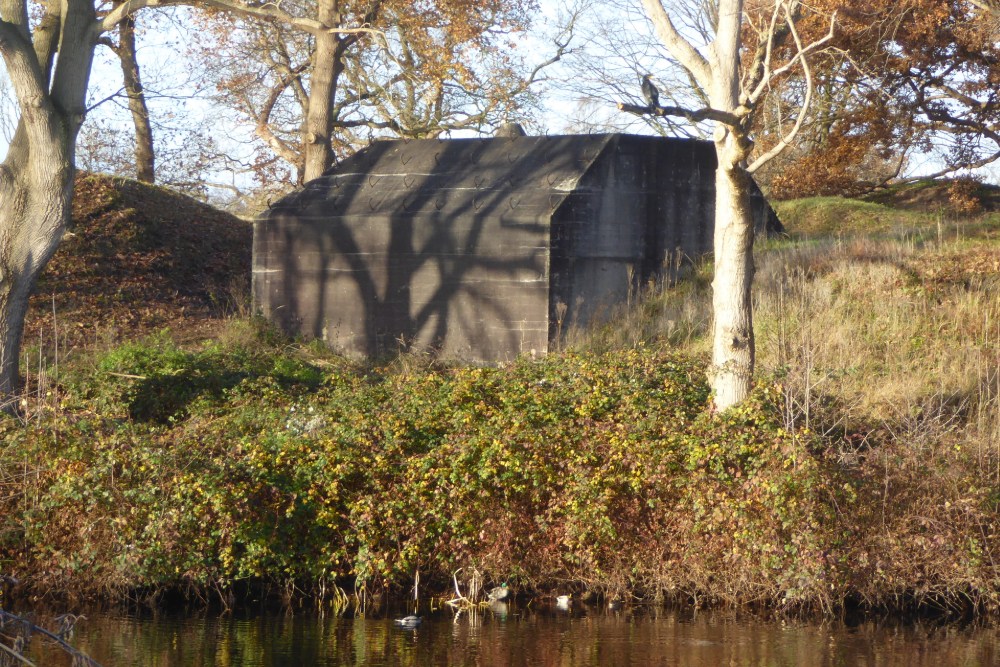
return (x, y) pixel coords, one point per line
(35, 212)
(732, 330)
(322, 87)
(36, 178)
(144, 157)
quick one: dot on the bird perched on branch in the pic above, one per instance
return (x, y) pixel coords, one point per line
(650, 93)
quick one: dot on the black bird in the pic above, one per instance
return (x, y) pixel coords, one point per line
(650, 92)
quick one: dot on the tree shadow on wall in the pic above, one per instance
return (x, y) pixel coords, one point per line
(430, 236)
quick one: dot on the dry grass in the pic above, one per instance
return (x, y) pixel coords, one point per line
(678, 315)
(890, 337)
(888, 346)
(887, 336)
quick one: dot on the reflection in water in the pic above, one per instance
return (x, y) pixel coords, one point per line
(515, 636)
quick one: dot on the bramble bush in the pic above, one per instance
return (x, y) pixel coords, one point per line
(254, 464)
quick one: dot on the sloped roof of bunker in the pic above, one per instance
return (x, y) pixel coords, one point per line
(517, 178)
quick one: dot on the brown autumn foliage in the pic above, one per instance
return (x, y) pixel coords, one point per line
(415, 70)
(902, 78)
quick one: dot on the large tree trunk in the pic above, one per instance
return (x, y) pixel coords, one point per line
(322, 87)
(36, 178)
(34, 212)
(144, 157)
(732, 329)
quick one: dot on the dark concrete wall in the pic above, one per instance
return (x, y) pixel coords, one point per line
(481, 249)
(369, 286)
(645, 204)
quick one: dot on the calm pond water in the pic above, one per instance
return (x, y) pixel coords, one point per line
(520, 637)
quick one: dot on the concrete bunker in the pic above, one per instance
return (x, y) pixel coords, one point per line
(482, 249)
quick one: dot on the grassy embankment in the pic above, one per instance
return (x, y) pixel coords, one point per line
(864, 472)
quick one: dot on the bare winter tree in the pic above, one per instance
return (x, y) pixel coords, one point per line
(735, 85)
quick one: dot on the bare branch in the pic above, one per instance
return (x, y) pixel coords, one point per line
(678, 47)
(268, 11)
(697, 116)
(785, 141)
(57, 638)
(800, 55)
(760, 67)
(112, 96)
(982, 162)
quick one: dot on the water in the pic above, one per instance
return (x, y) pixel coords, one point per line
(521, 637)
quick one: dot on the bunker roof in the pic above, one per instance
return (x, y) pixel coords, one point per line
(523, 178)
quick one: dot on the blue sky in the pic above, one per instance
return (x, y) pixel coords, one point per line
(177, 103)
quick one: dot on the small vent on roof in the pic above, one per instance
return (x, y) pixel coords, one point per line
(510, 130)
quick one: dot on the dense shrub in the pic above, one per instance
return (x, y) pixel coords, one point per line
(228, 465)
(607, 470)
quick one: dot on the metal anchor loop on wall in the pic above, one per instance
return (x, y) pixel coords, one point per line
(479, 180)
(436, 157)
(512, 202)
(373, 180)
(405, 159)
(551, 179)
(408, 181)
(439, 202)
(476, 203)
(513, 157)
(372, 204)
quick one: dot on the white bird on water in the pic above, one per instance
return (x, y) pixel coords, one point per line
(408, 622)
